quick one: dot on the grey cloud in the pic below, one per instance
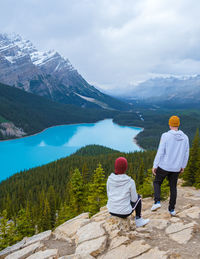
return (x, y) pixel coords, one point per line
(114, 43)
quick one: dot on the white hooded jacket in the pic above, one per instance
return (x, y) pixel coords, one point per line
(173, 151)
(120, 190)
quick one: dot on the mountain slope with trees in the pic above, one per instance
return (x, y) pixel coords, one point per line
(48, 74)
(33, 113)
(64, 188)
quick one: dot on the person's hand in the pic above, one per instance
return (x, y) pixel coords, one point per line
(182, 170)
(154, 171)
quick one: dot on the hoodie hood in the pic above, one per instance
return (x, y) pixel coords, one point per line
(119, 179)
(178, 135)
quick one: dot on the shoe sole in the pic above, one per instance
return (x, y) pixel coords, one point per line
(156, 209)
(142, 225)
(172, 215)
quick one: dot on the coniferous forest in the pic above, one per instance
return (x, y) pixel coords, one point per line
(46, 196)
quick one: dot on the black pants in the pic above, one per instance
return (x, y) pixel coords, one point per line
(173, 178)
(137, 206)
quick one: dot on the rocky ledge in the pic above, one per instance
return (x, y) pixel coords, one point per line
(107, 237)
(8, 129)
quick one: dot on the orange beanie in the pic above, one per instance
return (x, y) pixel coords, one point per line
(174, 121)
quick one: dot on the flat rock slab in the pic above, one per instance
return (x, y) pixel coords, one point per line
(174, 219)
(25, 252)
(11, 249)
(77, 256)
(117, 241)
(191, 193)
(89, 231)
(158, 223)
(132, 250)
(50, 253)
(39, 237)
(193, 212)
(70, 227)
(64, 247)
(180, 233)
(183, 236)
(177, 227)
(154, 253)
(93, 247)
(25, 242)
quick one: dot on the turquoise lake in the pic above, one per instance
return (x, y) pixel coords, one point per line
(61, 141)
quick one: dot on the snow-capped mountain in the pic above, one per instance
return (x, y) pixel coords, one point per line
(172, 89)
(47, 74)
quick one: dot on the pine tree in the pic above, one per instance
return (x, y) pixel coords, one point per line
(45, 222)
(9, 206)
(3, 230)
(192, 168)
(76, 192)
(146, 189)
(7, 231)
(64, 214)
(85, 173)
(197, 175)
(130, 171)
(24, 224)
(140, 176)
(97, 197)
(51, 196)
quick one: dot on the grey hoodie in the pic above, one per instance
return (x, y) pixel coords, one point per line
(173, 151)
(120, 190)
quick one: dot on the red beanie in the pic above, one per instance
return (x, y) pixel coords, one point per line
(121, 165)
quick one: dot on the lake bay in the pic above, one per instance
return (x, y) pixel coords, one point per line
(61, 141)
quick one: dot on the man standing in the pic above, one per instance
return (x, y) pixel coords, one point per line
(171, 159)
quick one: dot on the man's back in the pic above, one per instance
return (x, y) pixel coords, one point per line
(173, 151)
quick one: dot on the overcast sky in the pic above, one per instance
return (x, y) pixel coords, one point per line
(112, 43)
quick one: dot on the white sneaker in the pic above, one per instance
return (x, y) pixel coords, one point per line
(141, 222)
(155, 206)
(172, 213)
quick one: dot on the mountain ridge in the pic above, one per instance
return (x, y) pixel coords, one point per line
(172, 89)
(48, 74)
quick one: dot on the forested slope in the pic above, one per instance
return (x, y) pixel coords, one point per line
(33, 113)
(156, 122)
(48, 195)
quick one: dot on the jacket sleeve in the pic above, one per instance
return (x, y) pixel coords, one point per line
(160, 152)
(134, 195)
(186, 155)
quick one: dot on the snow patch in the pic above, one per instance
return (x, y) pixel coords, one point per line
(93, 100)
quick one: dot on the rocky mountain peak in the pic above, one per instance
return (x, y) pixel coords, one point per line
(48, 74)
(106, 237)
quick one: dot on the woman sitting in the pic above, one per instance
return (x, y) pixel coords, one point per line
(122, 195)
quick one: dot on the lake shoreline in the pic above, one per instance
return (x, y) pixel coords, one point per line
(134, 139)
(31, 135)
(136, 142)
(59, 142)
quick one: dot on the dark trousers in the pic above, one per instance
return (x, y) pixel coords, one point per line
(137, 206)
(173, 178)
